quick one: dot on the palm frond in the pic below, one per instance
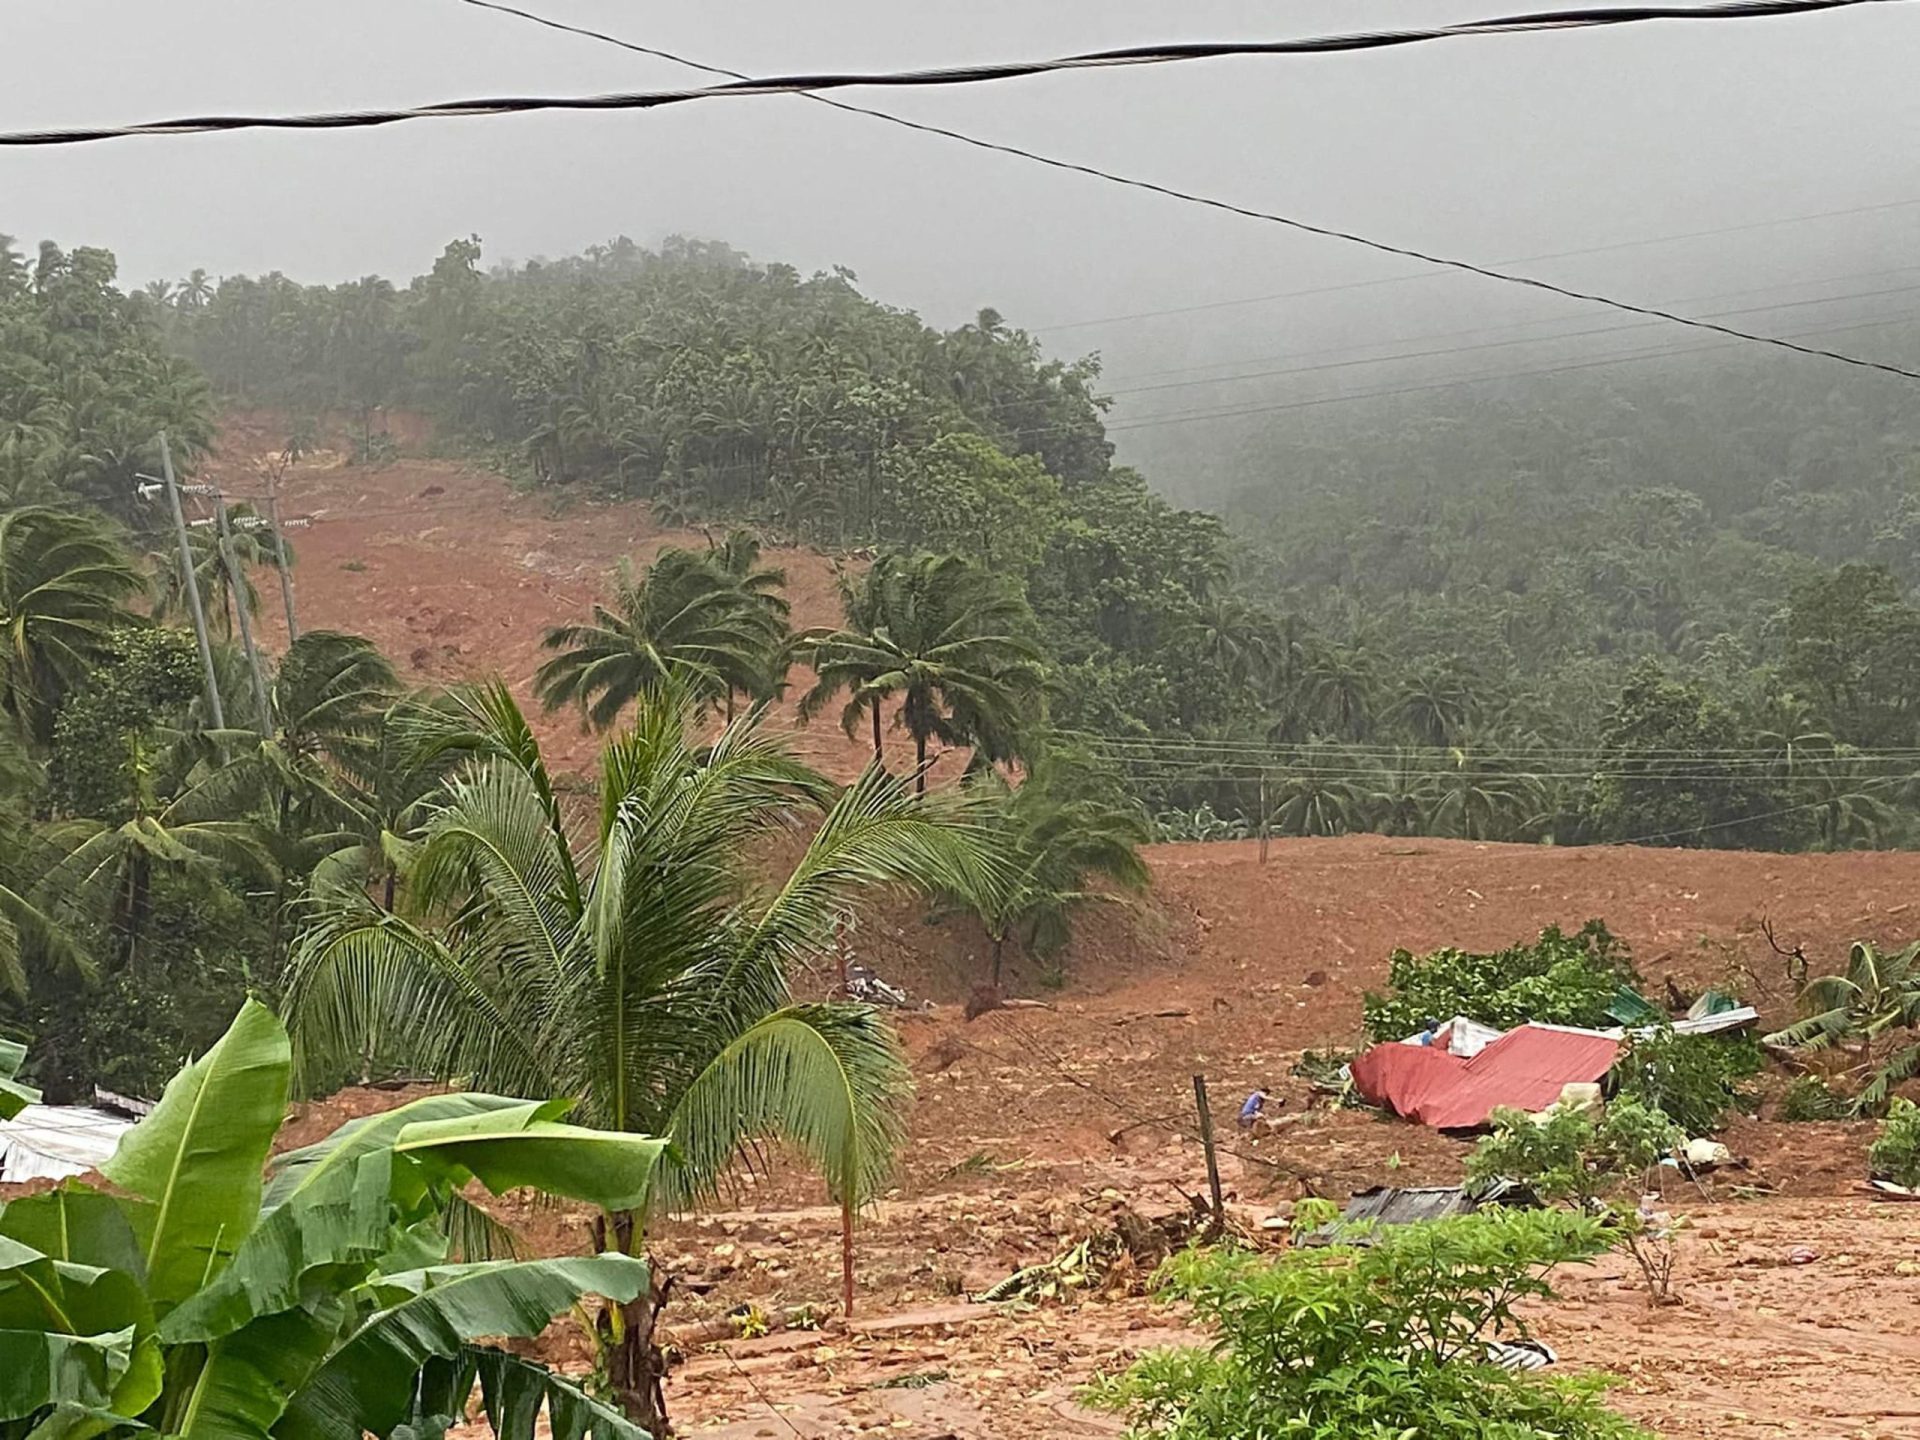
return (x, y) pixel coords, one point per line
(827, 1079)
(362, 981)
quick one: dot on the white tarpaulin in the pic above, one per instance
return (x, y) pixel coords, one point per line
(51, 1142)
(1460, 1036)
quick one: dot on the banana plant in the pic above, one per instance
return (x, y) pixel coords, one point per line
(215, 1293)
(14, 1097)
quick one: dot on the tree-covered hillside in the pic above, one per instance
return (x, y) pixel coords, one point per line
(1665, 601)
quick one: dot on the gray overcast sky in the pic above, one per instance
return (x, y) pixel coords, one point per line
(1489, 148)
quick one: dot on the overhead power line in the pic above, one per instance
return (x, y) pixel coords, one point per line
(1641, 243)
(1565, 20)
(676, 58)
(1135, 55)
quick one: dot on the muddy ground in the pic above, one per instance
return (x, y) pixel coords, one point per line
(1029, 1123)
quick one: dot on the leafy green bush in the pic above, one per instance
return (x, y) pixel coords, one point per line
(1811, 1098)
(1369, 1343)
(1896, 1154)
(1572, 1157)
(1694, 1079)
(1559, 979)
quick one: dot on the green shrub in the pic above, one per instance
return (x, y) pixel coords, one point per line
(1559, 979)
(1811, 1098)
(1694, 1079)
(1896, 1154)
(1369, 1343)
(1569, 1156)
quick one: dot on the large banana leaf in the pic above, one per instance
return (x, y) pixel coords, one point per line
(44, 1368)
(343, 1219)
(515, 1393)
(336, 1201)
(72, 1421)
(14, 1097)
(77, 1223)
(251, 1375)
(601, 1167)
(515, 1390)
(199, 1155)
(300, 1168)
(368, 1383)
(95, 1342)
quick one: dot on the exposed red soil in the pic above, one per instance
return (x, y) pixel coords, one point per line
(1028, 1122)
(456, 576)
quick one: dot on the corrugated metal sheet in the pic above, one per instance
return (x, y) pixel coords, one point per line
(1385, 1205)
(1525, 1069)
(51, 1142)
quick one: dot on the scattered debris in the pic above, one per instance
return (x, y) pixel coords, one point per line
(1704, 1155)
(1083, 1266)
(1887, 1190)
(912, 1380)
(869, 989)
(1521, 1354)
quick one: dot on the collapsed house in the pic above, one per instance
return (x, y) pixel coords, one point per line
(1456, 1077)
(52, 1142)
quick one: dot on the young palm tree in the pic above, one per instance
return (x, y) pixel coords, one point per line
(1055, 829)
(1317, 796)
(739, 556)
(107, 869)
(950, 642)
(652, 981)
(64, 584)
(1878, 995)
(393, 784)
(252, 548)
(687, 621)
(327, 704)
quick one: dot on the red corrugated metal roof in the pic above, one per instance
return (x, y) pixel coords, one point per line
(1525, 1069)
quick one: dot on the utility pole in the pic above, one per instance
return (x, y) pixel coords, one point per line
(193, 587)
(1265, 816)
(236, 578)
(1213, 1160)
(280, 549)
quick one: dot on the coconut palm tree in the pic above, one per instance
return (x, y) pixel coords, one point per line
(194, 292)
(394, 782)
(738, 555)
(326, 711)
(253, 547)
(1878, 994)
(946, 639)
(687, 621)
(107, 869)
(1053, 831)
(64, 583)
(1435, 705)
(1317, 796)
(651, 983)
